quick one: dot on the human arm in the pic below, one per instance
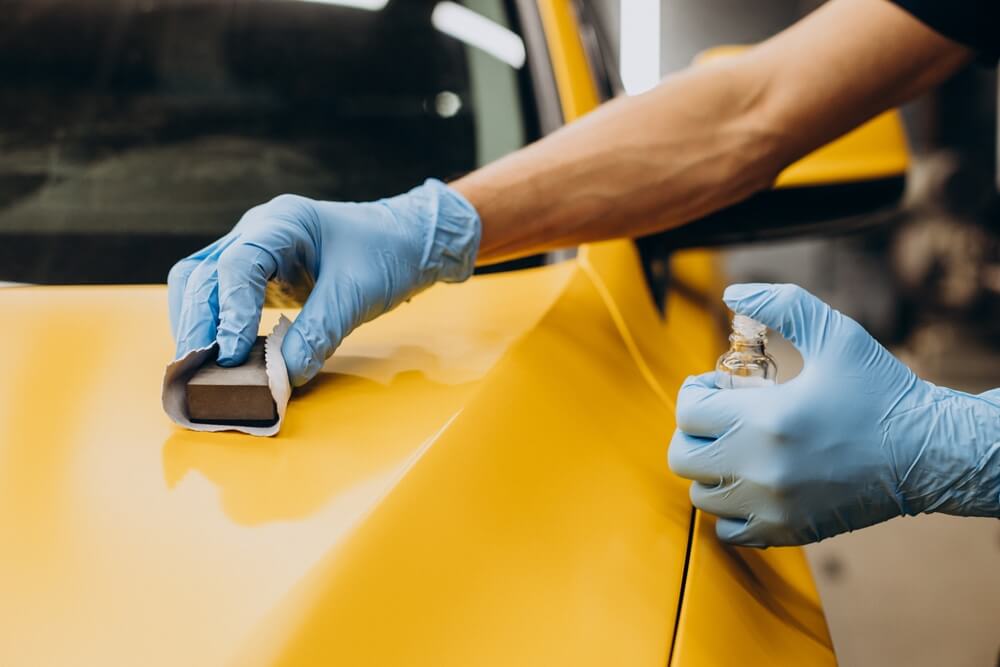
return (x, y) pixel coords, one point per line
(855, 439)
(705, 138)
(708, 136)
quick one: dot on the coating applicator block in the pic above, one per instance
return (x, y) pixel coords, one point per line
(237, 395)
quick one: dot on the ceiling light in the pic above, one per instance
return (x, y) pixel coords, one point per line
(476, 30)
(370, 5)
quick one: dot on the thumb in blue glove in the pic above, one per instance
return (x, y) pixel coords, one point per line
(360, 259)
(856, 438)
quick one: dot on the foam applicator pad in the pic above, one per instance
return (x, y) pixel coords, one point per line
(232, 395)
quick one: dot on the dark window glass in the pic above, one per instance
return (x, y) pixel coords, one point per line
(135, 131)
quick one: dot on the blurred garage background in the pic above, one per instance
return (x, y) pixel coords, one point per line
(919, 591)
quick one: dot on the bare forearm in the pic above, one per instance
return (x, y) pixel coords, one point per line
(634, 166)
(857, 59)
(709, 136)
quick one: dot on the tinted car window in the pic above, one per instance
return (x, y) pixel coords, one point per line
(132, 133)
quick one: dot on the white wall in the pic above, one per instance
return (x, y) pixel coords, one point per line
(656, 37)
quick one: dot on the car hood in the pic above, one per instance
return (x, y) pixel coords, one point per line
(478, 477)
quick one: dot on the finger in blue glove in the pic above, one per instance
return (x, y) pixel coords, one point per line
(360, 260)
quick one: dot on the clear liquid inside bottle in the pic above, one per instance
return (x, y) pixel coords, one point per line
(747, 363)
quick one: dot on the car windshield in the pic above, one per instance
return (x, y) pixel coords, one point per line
(133, 133)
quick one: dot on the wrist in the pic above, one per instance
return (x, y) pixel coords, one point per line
(956, 469)
(451, 227)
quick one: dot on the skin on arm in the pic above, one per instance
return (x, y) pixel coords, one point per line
(709, 136)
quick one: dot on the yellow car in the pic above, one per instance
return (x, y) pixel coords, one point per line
(477, 478)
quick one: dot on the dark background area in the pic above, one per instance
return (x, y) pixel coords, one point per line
(139, 132)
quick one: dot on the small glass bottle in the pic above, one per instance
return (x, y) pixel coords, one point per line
(746, 364)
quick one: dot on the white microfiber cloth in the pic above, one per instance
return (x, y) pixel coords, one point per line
(180, 371)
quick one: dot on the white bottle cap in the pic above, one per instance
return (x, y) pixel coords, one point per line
(747, 327)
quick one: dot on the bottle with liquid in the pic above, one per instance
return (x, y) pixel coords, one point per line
(746, 364)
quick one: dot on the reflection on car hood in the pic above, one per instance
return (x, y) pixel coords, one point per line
(476, 478)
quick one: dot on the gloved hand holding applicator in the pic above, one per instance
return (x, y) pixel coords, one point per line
(363, 258)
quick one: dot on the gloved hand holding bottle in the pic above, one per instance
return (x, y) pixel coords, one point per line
(364, 259)
(855, 439)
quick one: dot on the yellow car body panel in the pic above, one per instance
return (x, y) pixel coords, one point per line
(452, 490)
(750, 607)
(574, 80)
(477, 478)
(739, 606)
(875, 150)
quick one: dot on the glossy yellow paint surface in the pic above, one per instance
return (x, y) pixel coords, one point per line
(739, 606)
(748, 607)
(877, 149)
(477, 478)
(874, 150)
(574, 80)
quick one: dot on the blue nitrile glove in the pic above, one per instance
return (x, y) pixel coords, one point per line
(364, 259)
(855, 439)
